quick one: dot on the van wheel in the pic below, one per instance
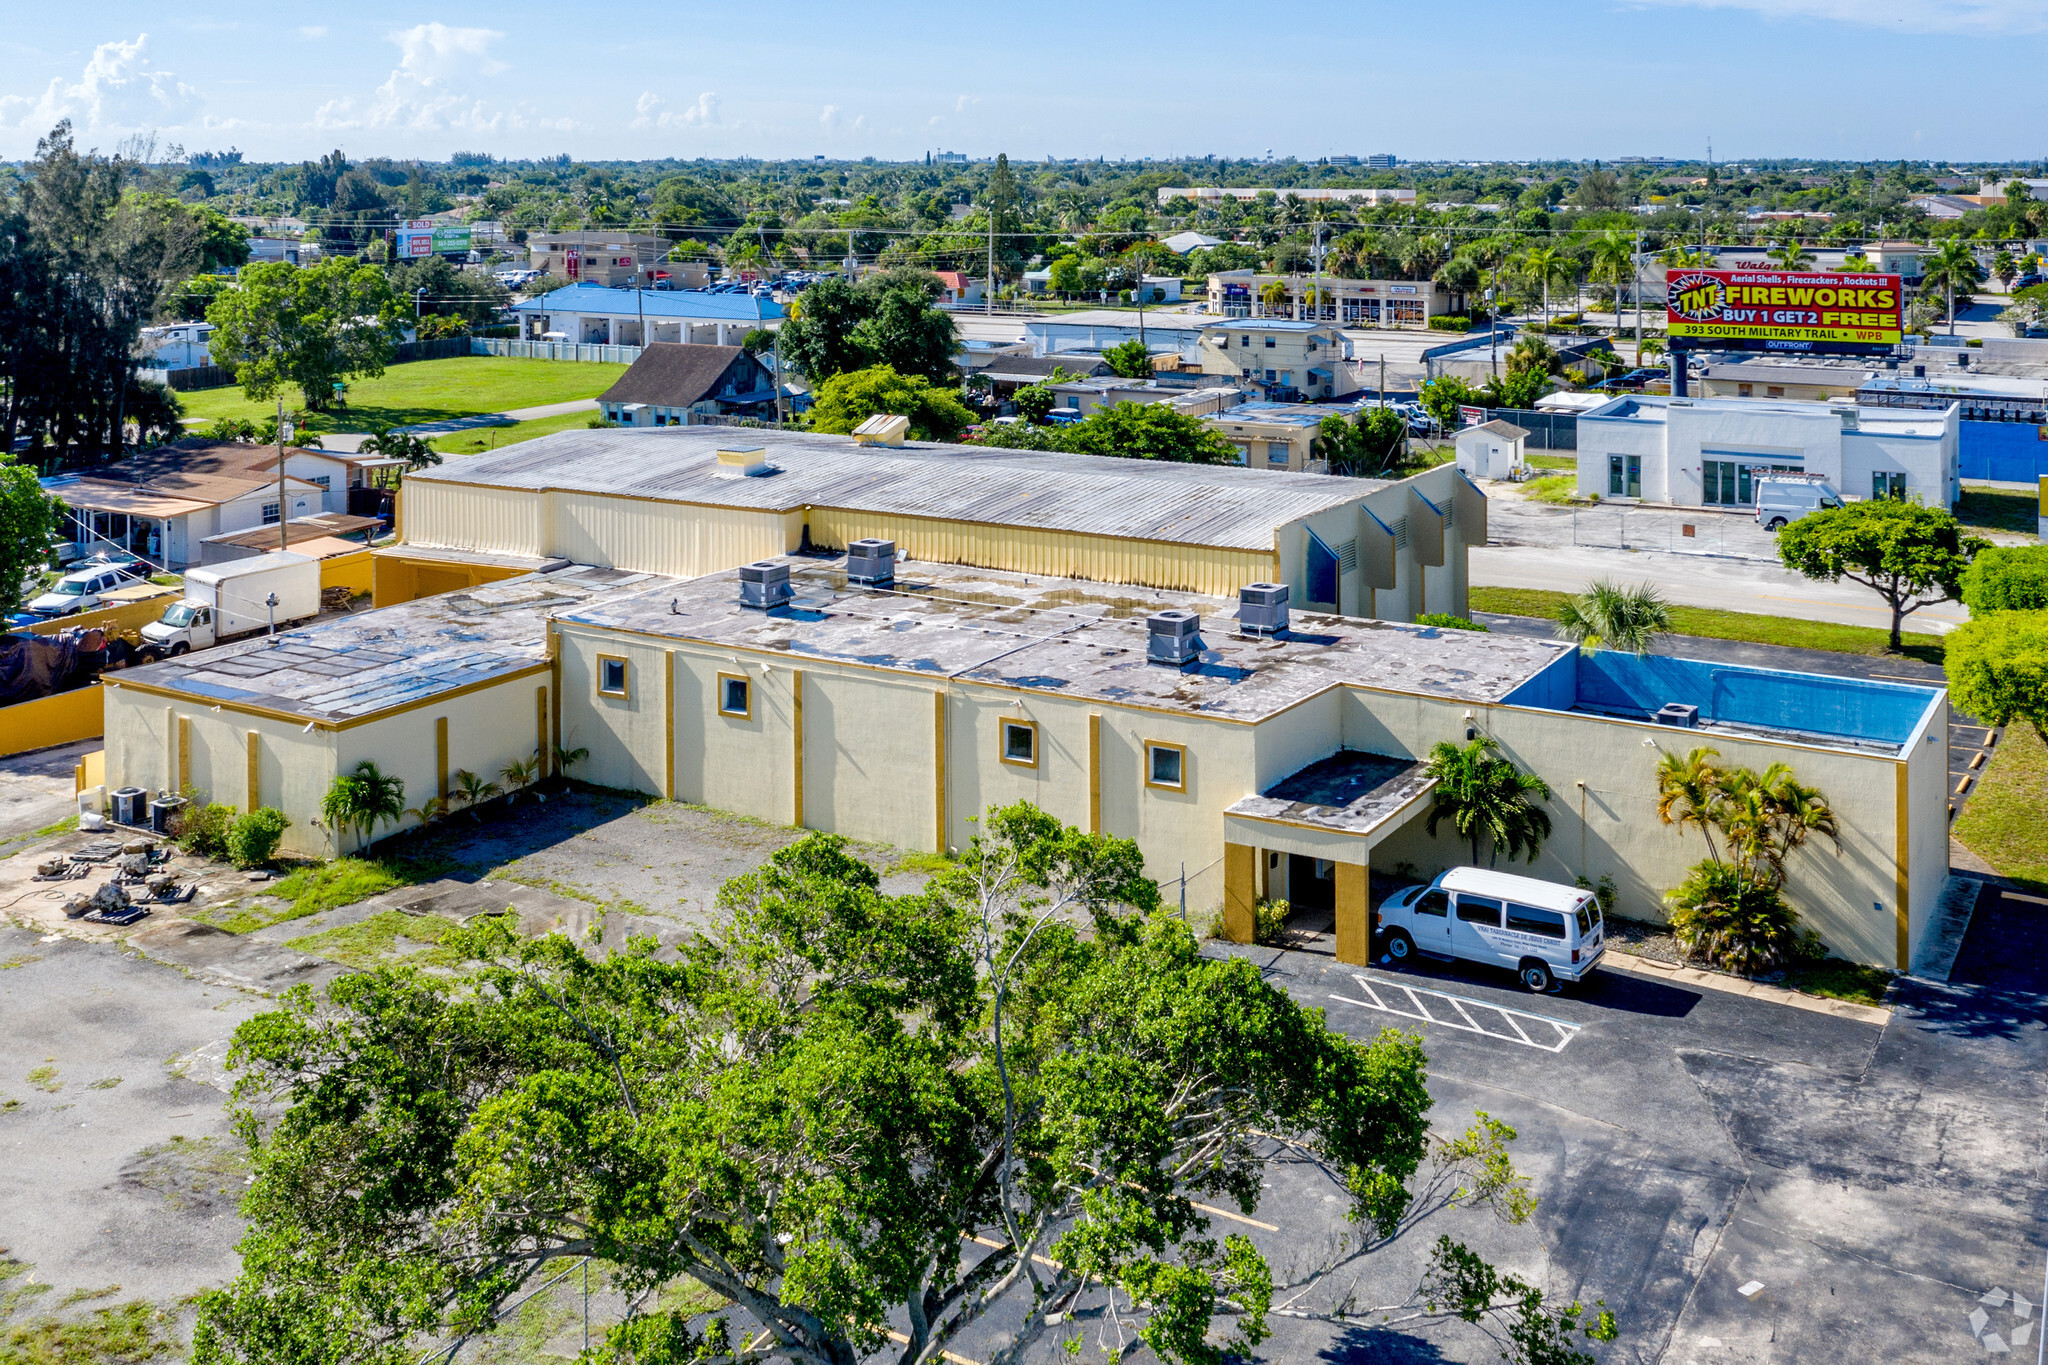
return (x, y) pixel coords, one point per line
(1399, 947)
(179, 648)
(1536, 976)
(1775, 524)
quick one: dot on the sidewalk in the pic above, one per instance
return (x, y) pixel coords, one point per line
(349, 442)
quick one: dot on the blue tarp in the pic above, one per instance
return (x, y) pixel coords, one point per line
(2008, 452)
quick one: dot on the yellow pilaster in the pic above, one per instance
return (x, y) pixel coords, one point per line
(1240, 891)
(441, 756)
(255, 770)
(796, 692)
(1354, 914)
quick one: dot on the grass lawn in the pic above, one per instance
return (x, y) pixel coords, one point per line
(1551, 461)
(1714, 624)
(2002, 823)
(426, 391)
(1998, 509)
(1839, 980)
(490, 438)
(1557, 489)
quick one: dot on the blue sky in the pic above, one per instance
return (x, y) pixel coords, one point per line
(1518, 79)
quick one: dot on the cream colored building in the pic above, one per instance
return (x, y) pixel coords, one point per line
(666, 500)
(1311, 359)
(1283, 766)
(1406, 304)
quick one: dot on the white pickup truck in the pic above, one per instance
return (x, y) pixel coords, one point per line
(241, 597)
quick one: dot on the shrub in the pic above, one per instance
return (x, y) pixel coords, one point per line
(252, 838)
(1447, 322)
(203, 829)
(1604, 891)
(1268, 919)
(1557, 488)
(1736, 922)
(1445, 621)
(2007, 578)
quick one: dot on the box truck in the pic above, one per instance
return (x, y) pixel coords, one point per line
(241, 597)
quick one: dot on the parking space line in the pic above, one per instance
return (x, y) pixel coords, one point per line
(1465, 1005)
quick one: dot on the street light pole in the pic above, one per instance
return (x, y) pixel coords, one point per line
(284, 535)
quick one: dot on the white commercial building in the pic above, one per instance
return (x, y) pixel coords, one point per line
(1708, 451)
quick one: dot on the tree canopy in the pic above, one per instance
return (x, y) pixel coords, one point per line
(2007, 578)
(999, 1104)
(30, 521)
(1997, 667)
(306, 325)
(889, 318)
(1911, 556)
(1132, 431)
(846, 400)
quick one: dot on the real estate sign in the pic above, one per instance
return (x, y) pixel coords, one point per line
(425, 238)
(1783, 310)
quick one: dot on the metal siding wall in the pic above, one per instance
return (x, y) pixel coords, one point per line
(462, 517)
(1056, 554)
(663, 537)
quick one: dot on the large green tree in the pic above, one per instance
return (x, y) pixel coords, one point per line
(846, 400)
(1004, 1102)
(30, 522)
(306, 325)
(1911, 556)
(1132, 431)
(1997, 666)
(890, 318)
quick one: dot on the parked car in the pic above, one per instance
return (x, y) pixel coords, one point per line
(1632, 381)
(1543, 932)
(1782, 501)
(80, 591)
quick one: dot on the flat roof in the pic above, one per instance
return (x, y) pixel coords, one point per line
(1276, 414)
(1350, 791)
(1655, 408)
(1124, 317)
(653, 303)
(351, 667)
(1071, 638)
(1270, 325)
(1226, 506)
(1789, 374)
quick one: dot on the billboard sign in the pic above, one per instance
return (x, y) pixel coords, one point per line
(422, 238)
(1783, 310)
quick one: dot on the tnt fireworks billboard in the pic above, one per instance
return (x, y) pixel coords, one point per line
(1782, 310)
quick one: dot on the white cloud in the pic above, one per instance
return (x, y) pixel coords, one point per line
(431, 88)
(1977, 17)
(829, 120)
(312, 31)
(832, 122)
(702, 114)
(119, 90)
(960, 105)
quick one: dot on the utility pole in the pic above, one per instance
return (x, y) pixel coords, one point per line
(775, 358)
(1636, 285)
(988, 293)
(284, 535)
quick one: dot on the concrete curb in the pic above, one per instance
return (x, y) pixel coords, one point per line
(1755, 990)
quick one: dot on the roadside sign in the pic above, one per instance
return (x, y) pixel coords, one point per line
(1471, 417)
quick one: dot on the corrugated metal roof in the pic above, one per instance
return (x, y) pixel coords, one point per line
(1218, 505)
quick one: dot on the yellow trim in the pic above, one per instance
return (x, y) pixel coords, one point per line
(1095, 772)
(1180, 749)
(1354, 913)
(796, 692)
(625, 691)
(300, 718)
(668, 708)
(441, 754)
(540, 728)
(1393, 814)
(184, 752)
(1903, 843)
(939, 765)
(1240, 891)
(255, 769)
(746, 713)
(1003, 724)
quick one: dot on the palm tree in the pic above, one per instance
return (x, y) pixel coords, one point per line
(1689, 792)
(473, 789)
(358, 800)
(2003, 268)
(1791, 254)
(1546, 263)
(1614, 260)
(1953, 265)
(428, 811)
(1856, 263)
(395, 444)
(1273, 295)
(1484, 796)
(1610, 616)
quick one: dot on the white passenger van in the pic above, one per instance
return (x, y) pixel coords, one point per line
(1542, 932)
(1781, 501)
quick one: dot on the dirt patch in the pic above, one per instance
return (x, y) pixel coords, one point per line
(202, 1176)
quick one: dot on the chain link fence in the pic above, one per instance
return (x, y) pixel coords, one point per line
(1625, 528)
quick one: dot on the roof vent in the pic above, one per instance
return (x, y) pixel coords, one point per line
(764, 585)
(1173, 637)
(742, 464)
(1262, 608)
(883, 429)
(871, 561)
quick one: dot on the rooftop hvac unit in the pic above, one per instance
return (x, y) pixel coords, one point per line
(1262, 608)
(764, 585)
(871, 561)
(1173, 637)
(1680, 714)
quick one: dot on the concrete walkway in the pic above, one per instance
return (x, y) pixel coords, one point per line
(349, 442)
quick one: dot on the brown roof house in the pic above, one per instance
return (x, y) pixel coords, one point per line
(161, 503)
(673, 383)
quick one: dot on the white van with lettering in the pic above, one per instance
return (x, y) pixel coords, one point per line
(1542, 932)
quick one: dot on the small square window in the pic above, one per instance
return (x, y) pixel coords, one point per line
(1020, 743)
(735, 696)
(1166, 766)
(611, 675)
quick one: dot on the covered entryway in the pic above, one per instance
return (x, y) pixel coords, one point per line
(1308, 839)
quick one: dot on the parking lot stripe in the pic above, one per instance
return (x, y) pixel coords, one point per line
(1510, 1019)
